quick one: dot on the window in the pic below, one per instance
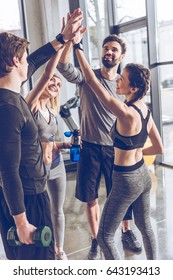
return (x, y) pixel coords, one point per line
(127, 10)
(97, 19)
(165, 30)
(137, 49)
(10, 17)
(165, 58)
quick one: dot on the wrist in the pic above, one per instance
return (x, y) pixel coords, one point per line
(20, 220)
(60, 38)
(78, 46)
(63, 145)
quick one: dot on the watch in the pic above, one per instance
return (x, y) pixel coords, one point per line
(60, 39)
(78, 46)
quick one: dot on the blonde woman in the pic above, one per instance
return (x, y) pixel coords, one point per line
(43, 101)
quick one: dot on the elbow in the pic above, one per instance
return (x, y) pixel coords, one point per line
(162, 151)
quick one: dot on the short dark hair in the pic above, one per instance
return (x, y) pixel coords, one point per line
(10, 46)
(115, 38)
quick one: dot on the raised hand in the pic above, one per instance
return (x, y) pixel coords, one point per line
(79, 35)
(73, 24)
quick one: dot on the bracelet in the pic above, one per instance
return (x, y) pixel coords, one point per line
(78, 46)
(60, 39)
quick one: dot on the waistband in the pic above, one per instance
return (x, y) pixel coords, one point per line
(89, 144)
(129, 168)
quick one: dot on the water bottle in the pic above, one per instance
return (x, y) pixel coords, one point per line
(75, 148)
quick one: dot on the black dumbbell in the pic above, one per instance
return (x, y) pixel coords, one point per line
(42, 237)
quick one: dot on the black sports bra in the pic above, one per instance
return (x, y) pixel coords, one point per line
(131, 142)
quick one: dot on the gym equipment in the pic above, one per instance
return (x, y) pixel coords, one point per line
(66, 114)
(42, 237)
(75, 140)
(72, 125)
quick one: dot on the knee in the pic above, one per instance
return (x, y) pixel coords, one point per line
(58, 212)
(92, 203)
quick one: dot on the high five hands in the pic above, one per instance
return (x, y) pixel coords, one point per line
(73, 29)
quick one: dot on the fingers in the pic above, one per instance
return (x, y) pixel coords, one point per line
(63, 24)
(83, 30)
(68, 16)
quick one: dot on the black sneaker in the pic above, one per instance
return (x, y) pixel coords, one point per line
(130, 241)
(94, 252)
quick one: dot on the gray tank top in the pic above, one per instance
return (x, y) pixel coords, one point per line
(46, 130)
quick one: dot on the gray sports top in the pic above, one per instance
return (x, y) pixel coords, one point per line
(46, 130)
(96, 118)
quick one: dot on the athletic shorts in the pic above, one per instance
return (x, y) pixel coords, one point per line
(94, 161)
(38, 214)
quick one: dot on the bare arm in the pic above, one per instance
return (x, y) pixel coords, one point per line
(34, 95)
(156, 141)
(117, 107)
(65, 56)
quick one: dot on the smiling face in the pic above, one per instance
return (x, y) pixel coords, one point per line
(123, 84)
(53, 87)
(111, 54)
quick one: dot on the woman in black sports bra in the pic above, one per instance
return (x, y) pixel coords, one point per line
(131, 178)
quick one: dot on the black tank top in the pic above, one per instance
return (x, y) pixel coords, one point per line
(131, 142)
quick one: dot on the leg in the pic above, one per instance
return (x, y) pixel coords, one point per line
(93, 214)
(56, 191)
(38, 213)
(142, 216)
(88, 181)
(128, 236)
(6, 221)
(114, 209)
(124, 192)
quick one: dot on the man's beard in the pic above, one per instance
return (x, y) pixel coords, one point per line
(108, 63)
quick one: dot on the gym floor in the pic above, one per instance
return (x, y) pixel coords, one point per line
(77, 236)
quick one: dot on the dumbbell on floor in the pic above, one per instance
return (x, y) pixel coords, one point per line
(42, 237)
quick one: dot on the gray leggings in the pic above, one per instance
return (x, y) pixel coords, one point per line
(128, 187)
(57, 191)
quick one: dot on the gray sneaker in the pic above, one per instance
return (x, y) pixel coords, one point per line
(61, 256)
(94, 252)
(130, 241)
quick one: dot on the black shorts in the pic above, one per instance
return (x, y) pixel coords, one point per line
(38, 214)
(94, 161)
